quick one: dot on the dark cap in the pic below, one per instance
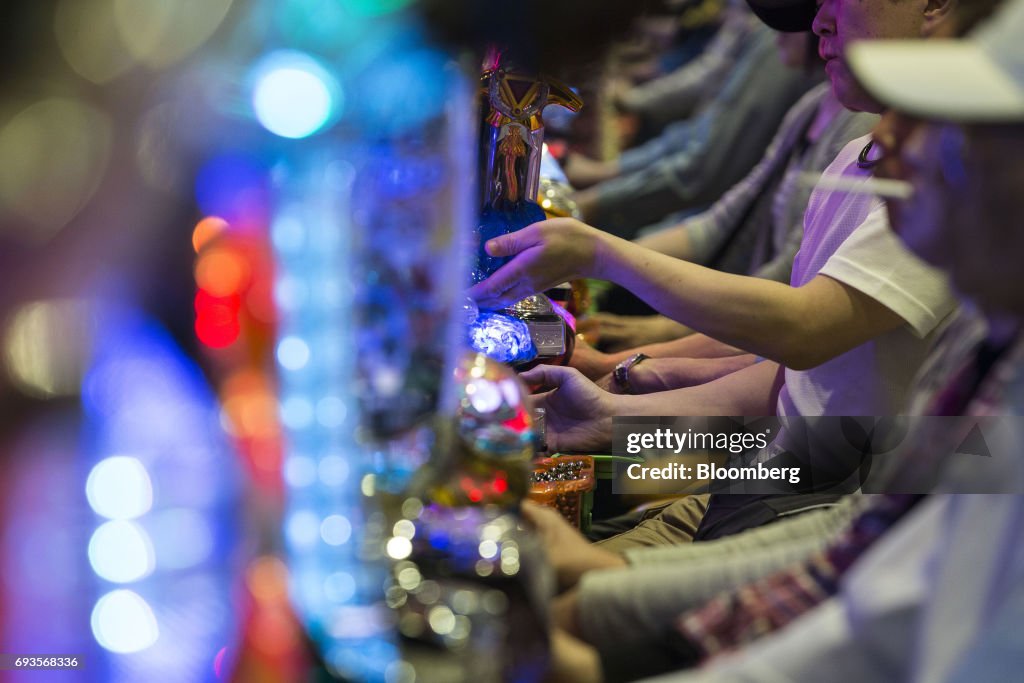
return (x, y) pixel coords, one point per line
(790, 16)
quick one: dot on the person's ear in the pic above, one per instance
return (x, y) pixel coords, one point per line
(936, 12)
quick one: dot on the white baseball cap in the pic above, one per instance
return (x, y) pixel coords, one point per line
(980, 78)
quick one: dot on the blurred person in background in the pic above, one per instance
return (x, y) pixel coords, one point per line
(738, 93)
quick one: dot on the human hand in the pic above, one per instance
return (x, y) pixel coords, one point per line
(544, 254)
(571, 555)
(613, 332)
(572, 660)
(578, 414)
(565, 612)
(591, 362)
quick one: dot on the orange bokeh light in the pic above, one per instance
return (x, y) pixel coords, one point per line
(267, 579)
(206, 230)
(222, 272)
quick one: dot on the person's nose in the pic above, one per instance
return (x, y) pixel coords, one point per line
(824, 24)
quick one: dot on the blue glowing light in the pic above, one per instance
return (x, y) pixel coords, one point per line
(234, 187)
(377, 7)
(294, 96)
(408, 89)
(325, 521)
(292, 353)
(502, 337)
(185, 538)
(339, 587)
(328, 26)
(335, 530)
(165, 487)
(123, 622)
(299, 471)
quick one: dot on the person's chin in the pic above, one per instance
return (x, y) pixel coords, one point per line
(849, 93)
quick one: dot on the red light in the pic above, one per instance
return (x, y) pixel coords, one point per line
(216, 320)
(476, 495)
(500, 485)
(206, 300)
(519, 422)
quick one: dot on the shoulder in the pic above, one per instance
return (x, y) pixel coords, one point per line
(809, 102)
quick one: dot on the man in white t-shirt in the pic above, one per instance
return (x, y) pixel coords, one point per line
(847, 237)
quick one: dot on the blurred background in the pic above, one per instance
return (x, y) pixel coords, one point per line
(166, 323)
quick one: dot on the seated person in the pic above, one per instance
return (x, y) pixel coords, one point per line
(871, 634)
(756, 227)
(675, 96)
(693, 161)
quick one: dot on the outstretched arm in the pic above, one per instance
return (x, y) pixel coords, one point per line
(799, 327)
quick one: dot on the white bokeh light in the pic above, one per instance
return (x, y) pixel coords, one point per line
(123, 622)
(121, 552)
(293, 96)
(119, 488)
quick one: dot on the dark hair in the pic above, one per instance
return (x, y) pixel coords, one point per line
(542, 35)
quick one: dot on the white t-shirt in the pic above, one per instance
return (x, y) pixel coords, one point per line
(847, 237)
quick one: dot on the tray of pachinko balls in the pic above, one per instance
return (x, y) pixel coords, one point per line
(565, 483)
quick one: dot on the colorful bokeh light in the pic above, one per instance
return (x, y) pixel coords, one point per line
(294, 97)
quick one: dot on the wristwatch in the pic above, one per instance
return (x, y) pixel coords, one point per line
(621, 372)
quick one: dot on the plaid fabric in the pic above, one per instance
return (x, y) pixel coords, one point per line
(732, 619)
(974, 387)
(978, 374)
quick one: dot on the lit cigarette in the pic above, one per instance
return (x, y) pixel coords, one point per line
(880, 187)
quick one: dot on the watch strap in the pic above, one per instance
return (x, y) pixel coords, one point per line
(621, 372)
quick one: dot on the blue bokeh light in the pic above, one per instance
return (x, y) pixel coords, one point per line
(234, 187)
(406, 90)
(165, 488)
(293, 95)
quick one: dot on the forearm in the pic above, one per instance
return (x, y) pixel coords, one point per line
(645, 600)
(690, 346)
(799, 327)
(752, 314)
(673, 241)
(750, 391)
(666, 374)
(694, 346)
